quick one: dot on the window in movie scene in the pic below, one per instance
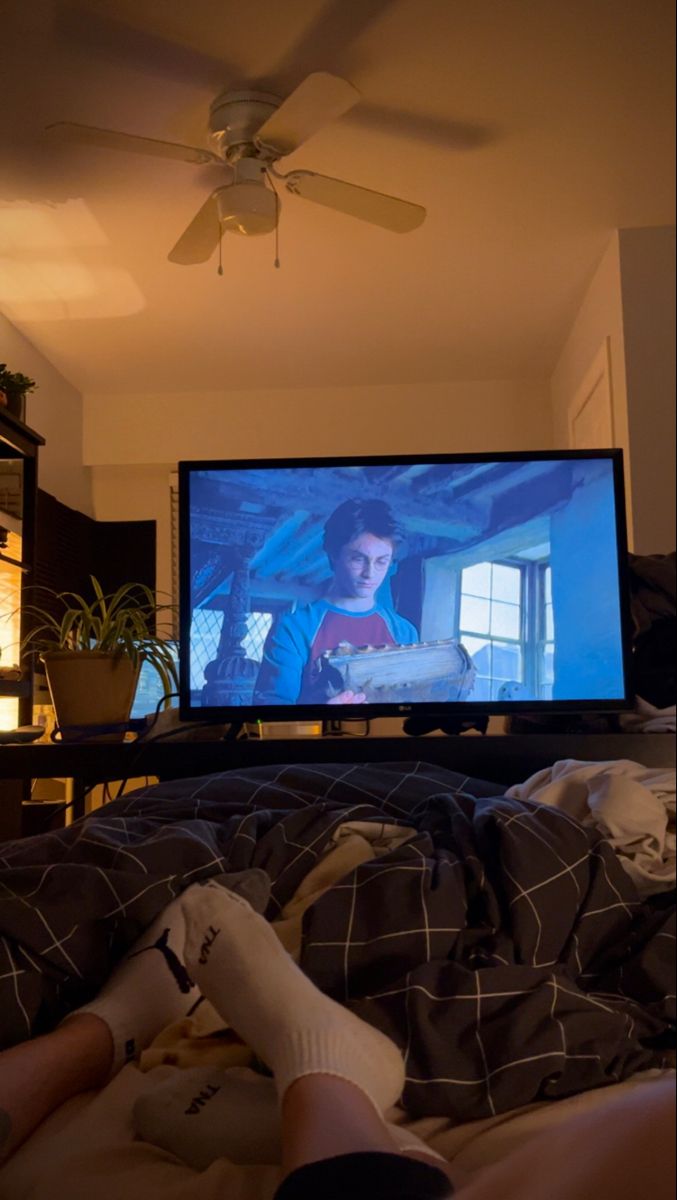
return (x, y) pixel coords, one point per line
(492, 625)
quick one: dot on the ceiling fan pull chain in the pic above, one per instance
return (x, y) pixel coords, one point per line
(277, 230)
(268, 175)
(220, 266)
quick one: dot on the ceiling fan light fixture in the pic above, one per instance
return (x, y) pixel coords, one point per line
(247, 207)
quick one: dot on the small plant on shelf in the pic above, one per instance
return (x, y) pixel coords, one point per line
(14, 387)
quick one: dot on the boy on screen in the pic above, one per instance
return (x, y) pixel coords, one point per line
(360, 539)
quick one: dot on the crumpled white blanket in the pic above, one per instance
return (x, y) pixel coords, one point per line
(632, 806)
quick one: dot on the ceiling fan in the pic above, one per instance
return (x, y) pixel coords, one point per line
(250, 132)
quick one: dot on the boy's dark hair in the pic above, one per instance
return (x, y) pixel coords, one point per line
(360, 516)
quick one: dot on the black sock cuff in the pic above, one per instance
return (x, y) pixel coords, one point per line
(371, 1176)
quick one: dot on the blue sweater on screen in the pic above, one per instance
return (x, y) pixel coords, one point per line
(297, 639)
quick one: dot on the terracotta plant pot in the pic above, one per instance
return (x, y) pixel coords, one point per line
(90, 688)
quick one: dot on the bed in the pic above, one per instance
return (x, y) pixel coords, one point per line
(523, 961)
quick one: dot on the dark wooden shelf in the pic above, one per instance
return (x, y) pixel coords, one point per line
(18, 431)
(505, 758)
(17, 688)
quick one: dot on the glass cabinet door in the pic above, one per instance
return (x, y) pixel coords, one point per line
(11, 507)
(18, 490)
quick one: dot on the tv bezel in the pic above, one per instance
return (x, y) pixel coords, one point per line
(228, 714)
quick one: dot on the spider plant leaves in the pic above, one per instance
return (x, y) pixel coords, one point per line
(126, 622)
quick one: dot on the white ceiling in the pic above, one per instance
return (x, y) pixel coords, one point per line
(528, 128)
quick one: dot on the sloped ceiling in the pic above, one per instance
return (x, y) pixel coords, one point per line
(528, 129)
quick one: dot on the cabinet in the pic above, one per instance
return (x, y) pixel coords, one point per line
(19, 447)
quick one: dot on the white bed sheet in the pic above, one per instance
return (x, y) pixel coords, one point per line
(87, 1150)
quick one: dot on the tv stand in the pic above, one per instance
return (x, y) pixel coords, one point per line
(419, 726)
(500, 758)
(233, 731)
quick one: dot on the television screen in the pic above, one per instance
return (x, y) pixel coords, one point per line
(150, 690)
(385, 586)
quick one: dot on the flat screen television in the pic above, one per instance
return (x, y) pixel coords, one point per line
(424, 585)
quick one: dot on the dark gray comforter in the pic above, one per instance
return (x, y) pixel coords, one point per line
(503, 948)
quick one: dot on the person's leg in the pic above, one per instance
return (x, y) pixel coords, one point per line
(37, 1076)
(237, 961)
(335, 1074)
(325, 1118)
(206, 1113)
(148, 990)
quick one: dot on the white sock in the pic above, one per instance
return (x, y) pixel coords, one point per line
(151, 987)
(239, 965)
(207, 1113)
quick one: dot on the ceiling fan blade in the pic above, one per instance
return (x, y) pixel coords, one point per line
(435, 131)
(111, 139)
(199, 241)
(400, 216)
(320, 98)
(139, 36)
(333, 37)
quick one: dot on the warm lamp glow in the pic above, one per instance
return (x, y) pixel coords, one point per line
(9, 713)
(35, 227)
(10, 595)
(55, 265)
(43, 281)
(66, 290)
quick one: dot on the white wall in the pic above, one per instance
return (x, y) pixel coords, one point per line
(359, 420)
(648, 293)
(54, 409)
(133, 442)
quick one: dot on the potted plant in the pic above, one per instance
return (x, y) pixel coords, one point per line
(92, 651)
(14, 387)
